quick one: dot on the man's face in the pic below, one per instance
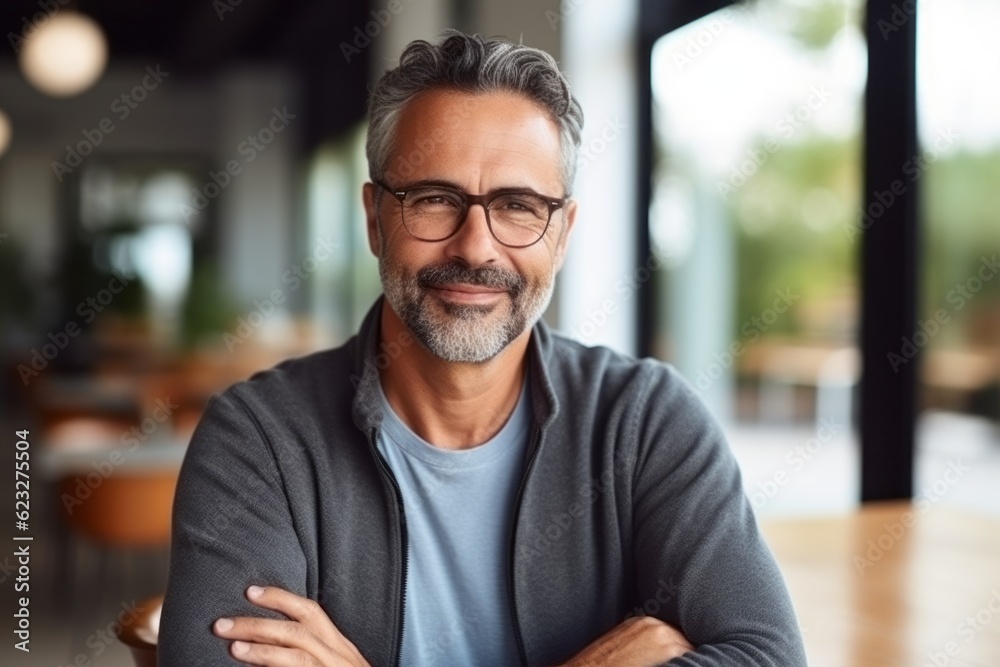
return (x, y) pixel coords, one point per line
(467, 297)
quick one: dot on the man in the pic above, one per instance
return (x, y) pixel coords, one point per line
(458, 485)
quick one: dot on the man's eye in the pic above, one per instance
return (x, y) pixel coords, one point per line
(520, 205)
(434, 200)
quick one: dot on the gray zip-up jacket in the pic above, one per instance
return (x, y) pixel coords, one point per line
(631, 503)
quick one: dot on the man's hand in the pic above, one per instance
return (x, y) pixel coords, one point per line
(309, 638)
(636, 642)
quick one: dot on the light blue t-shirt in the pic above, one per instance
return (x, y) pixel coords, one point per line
(459, 505)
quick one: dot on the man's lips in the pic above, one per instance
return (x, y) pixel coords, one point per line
(469, 289)
(468, 293)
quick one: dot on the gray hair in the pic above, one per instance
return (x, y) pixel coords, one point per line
(473, 64)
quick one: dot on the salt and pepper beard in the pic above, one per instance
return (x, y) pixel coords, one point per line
(463, 332)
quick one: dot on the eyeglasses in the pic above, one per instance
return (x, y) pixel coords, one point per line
(516, 218)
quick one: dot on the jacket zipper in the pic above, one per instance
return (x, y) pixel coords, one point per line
(513, 531)
(398, 649)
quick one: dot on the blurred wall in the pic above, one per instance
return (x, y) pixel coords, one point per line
(189, 116)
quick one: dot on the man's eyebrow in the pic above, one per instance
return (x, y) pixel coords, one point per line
(441, 182)
(429, 182)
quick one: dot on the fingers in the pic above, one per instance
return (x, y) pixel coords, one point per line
(309, 637)
(263, 637)
(637, 642)
(307, 612)
(272, 656)
(662, 639)
(265, 631)
(670, 639)
(291, 605)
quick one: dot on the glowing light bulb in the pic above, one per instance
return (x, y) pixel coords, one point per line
(65, 55)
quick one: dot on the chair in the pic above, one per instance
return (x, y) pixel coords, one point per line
(127, 513)
(126, 509)
(141, 634)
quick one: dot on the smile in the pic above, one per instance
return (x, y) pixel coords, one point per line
(465, 293)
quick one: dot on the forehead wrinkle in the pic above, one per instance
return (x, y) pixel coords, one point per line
(501, 141)
(505, 171)
(511, 154)
(487, 142)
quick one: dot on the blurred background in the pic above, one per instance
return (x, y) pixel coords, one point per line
(180, 207)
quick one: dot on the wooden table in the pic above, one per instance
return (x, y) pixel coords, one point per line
(894, 585)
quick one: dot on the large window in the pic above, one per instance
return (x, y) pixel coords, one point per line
(757, 121)
(958, 332)
(134, 218)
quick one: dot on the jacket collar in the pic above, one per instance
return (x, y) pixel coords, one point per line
(367, 405)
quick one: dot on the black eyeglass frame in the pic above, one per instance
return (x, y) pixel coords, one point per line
(468, 200)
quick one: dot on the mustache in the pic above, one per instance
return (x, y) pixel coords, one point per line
(492, 277)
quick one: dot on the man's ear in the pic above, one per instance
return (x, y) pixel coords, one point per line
(569, 219)
(369, 193)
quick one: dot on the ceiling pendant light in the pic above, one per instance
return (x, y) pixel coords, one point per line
(65, 55)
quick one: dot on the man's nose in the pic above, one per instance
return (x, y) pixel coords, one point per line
(473, 244)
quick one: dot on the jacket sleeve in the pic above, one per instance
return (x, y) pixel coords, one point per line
(701, 563)
(231, 528)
